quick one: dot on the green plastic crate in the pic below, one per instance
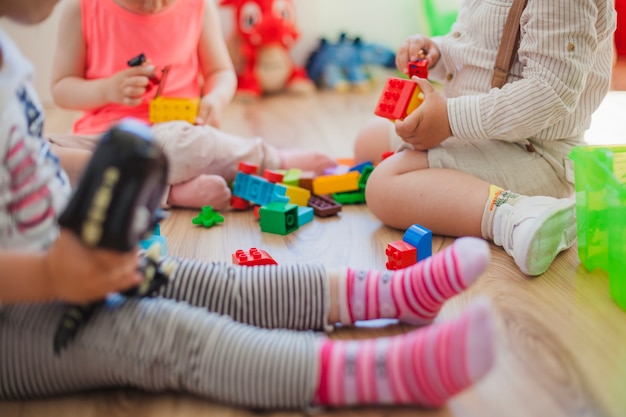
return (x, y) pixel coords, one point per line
(600, 181)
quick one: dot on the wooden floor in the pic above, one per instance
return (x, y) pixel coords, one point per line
(561, 345)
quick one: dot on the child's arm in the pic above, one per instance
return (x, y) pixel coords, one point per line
(220, 80)
(71, 90)
(68, 271)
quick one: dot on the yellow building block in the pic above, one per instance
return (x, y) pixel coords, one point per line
(297, 195)
(166, 109)
(329, 184)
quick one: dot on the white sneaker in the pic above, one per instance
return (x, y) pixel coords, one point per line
(535, 230)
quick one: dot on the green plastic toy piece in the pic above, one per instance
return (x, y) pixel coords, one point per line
(208, 217)
(279, 218)
(600, 177)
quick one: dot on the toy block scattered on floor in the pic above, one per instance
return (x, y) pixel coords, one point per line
(273, 176)
(258, 190)
(352, 197)
(292, 177)
(360, 167)
(297, 195)
(421, 238)
(398, 99)
(306, 180)
(253, 257)
(324, 206)
(329, 184)
(305, 215)
(248, 168)
(279, 217)
(208, 217)
(400, 255)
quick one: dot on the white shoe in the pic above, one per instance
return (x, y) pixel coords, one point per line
(535, 230)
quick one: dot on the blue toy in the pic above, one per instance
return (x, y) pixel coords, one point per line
(343, 65)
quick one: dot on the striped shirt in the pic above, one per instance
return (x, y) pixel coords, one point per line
(560, 76)
(33, 187)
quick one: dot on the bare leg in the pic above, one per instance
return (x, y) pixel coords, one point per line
(403, 191)
(372, 141)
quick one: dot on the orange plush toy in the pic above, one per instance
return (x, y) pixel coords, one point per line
(265, 32)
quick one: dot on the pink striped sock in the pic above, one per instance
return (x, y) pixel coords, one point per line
(426, 366)
(414, 295)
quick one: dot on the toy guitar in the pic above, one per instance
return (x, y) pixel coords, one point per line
(116, 204)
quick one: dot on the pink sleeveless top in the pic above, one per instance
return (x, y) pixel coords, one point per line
(114, 35)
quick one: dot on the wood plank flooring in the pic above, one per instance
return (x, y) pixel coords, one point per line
(561, 345)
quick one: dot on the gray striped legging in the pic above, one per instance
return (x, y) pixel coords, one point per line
(220, 331)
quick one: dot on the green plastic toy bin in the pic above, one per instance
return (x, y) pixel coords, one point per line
(600, 182)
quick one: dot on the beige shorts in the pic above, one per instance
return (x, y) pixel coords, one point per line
(547, 171)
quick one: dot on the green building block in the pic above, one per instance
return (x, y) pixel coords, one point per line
(208, 217)
(279, 218)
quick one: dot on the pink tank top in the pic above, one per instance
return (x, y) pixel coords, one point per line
(114, 35)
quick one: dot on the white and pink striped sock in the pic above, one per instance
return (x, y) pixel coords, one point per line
(414, 295)
(426, 366)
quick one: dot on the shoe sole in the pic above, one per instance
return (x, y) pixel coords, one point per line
(554, 232)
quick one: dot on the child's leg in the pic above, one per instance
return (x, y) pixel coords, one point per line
(373, 140)
(416, 294)
(161, 345)
(454, 203)
(157, 345)
(303, 296)
(203, 190)
(197, 150)
(426, 366)
(272, 296)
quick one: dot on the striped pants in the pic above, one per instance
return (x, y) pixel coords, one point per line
(219, 331)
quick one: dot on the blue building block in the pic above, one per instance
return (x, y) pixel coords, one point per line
(258, 190)
(421, 238)
(305, 215)
(155, 238)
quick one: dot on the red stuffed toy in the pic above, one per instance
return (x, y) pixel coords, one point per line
(265, 31)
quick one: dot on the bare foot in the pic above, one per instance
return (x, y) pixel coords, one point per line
(305, 160)
(204, 190)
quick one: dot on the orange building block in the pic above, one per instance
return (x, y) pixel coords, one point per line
(329, 184)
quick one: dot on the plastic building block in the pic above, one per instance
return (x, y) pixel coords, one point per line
(353, 197)
(419, 68)
(297, 195)
(599, 180)
(248, 168)
(238, 203)
(400, 255)
(258, 190)
(306, 180)
(398, 99)
(386, 155)
(279, 218)
(329, 184)
(305, 215)
(365, 175)
(360, 167)
(292, 177)
(421, 238)
(165, 109)
(273, 176)
(324, 206)
(253, 257)
(208, 217)
(155, 238)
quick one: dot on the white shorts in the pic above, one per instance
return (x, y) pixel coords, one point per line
(547, 171)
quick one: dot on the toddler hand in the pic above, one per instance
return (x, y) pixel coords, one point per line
(410, 51)
(210, 112)
(78, 274)
(428, 125)
(128, 86)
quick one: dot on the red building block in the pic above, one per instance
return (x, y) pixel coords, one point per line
(419, 68)
(400, 255)
(253, 257)
(399, 98)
